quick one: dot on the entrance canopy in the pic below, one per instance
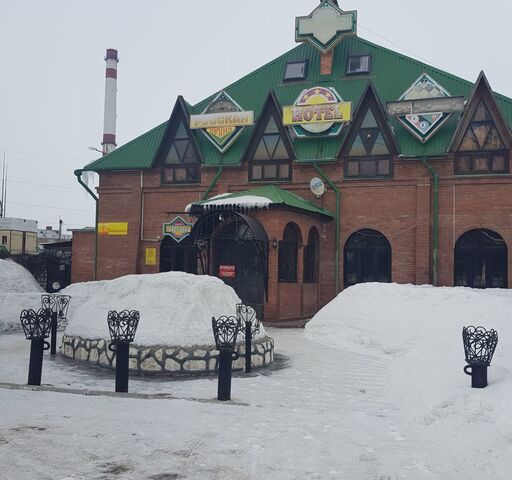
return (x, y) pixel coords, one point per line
(267, 196)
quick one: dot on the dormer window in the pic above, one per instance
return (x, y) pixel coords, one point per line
(295, 70)
(358, 64)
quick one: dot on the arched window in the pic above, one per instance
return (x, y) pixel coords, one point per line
(311, 257)
(367, 258)
(481, 260)
(287, 254)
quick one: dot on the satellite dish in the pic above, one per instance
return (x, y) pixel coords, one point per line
(317, 187)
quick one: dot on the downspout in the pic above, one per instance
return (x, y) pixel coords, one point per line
(78, 174)
(435, 227)
(212, 184)
(337, 230)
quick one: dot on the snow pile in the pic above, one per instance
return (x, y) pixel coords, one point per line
(242, 201)
(418, 329)
(175, 308)
(18, 291)
(16, 279)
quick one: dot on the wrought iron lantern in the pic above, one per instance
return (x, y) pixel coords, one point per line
(249, 327)
(58, 305)
(225, 331)
(479, 347)
(36, 326)
(122, 326)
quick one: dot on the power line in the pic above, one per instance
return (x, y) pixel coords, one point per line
(48, 155)
(48, 206)
(46, 185)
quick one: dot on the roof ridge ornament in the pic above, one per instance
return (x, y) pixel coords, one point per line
(325, 26)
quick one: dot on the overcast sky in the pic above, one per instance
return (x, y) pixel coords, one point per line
(52, 70)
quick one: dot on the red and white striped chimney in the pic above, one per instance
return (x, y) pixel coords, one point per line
(109, 123)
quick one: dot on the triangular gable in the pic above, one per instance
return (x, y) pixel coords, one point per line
(482, 126)
(270, 122)
(370, 133)
(178, 143)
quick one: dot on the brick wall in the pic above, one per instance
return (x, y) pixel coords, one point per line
(82, 259)
(400, 208)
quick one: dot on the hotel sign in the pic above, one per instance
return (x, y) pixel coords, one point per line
(113, 228)
(178, 229)
(222, 121)
(318, 111)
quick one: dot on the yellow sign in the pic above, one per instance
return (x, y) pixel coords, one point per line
(219, 120)
(322, 113)
(151, 256)
(116, 228)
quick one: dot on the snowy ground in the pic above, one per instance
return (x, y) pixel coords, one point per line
(369, 391)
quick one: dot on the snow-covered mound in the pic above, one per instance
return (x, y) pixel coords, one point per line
(175, 308)
(18, 291)
(16, 279)
(392, 319)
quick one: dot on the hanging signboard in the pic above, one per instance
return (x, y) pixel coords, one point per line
(151, 256)
(177, 228)
(113, 228)
(222, 121)
(227, 271)
(318, 111)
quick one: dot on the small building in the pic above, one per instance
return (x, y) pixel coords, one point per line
(18, 235)
(49, 235)
(338, 162)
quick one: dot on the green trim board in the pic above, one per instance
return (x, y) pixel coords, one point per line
(275, 195)
(392, 74)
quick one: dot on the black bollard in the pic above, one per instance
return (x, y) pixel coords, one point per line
(479, 347)
(248, 347)
(122, 358)
(249, 326)
(53, 335)
(36, 326)
(225, 331)
(122, 326)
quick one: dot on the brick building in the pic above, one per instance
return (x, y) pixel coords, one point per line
(336, 163)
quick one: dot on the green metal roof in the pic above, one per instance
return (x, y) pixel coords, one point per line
(276, 196)
(391, 74)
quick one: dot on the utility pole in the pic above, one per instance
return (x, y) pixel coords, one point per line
(60, 228)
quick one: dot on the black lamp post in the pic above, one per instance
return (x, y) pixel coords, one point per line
(479, 346)
(58, 304)
(225, 331)
(249, 328)
(122, 327)
(36, 326)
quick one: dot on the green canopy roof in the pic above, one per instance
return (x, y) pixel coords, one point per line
(267, 196)
(391, 74)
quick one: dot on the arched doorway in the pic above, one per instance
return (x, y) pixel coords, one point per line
(481, 260)
(367, 258)
(234, 247)
(178, 257)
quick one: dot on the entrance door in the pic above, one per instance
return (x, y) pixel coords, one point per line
(247, 277)
(178, 257)
(481, 260)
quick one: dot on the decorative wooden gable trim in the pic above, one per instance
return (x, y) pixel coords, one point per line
(369, 100)
(179, 116)
(270, 108)
(481, 98)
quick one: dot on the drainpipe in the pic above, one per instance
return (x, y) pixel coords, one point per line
(435, 233)
(337, 231)
(78, 174)
(212, 185)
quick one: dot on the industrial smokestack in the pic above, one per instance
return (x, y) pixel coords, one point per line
(109, 123)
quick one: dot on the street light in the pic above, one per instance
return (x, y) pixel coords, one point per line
(36, 326)
(225, 331)
(479, 347)
(122, 327)
(249, 326)
(58, 304)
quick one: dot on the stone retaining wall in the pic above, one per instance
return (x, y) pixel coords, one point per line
(164, 360)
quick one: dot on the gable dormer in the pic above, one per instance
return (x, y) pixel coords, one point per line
(178, 155)
(270, 152)
(481, 142)
(370, 145)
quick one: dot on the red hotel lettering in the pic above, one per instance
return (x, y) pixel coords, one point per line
(316, 113)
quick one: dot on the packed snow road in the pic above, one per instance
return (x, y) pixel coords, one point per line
(320, 413)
